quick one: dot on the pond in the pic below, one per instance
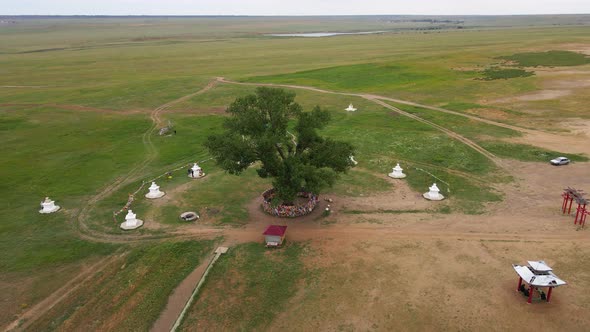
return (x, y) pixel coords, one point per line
(322, 34)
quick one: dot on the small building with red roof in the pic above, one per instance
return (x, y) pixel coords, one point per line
(274, 235)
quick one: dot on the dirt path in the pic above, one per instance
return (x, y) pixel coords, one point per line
(535, 137)
(179, 298)
(151, 153)
(374, 97)
(29, 316)
(379, 100)
(449, 133)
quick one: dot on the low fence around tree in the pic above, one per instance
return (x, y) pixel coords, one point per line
(289, 211)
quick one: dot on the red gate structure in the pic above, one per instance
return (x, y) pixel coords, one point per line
(569, 196)
(580, 210)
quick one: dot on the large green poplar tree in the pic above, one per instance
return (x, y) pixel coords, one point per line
(257, 130)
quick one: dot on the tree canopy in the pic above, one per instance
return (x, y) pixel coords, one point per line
(257, 130)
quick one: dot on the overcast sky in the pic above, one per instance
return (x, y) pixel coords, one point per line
(291, 7)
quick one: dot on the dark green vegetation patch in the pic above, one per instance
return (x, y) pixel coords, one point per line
(548, 59)
(496, 73)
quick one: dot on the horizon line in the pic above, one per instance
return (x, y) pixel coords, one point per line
(263, 15)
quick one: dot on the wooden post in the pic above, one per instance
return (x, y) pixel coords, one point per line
(519, 283)
(583, 219)
(569, 210)
(549, 293)
(531, 290)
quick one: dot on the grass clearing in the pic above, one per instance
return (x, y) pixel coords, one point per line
(247, 288)
(210, 196)
(358, 182)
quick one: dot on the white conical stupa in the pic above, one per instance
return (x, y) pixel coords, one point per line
(154, 191)
(131, 221)
(350, 108)
(48, 206)
(197, 172)
(433, 194)
(397, 172)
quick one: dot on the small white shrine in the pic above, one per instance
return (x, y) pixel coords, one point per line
(196, 172)
(353, 161)
(350, 108)
(131, 221)
(154, 191)
(434, 194)
(48, 206)
(397, 172)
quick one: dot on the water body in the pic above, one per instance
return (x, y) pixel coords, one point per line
(322, 34)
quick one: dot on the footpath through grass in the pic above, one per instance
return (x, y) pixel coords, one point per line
(130, 294)
(246, 289)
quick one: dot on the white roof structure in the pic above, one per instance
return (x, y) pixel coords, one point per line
(539, 266)
(538, 274)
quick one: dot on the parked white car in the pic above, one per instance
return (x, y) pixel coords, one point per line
(560, 161)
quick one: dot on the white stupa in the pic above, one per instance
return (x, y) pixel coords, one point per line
(131, 222)
(350, 108)
(397, 172)
(434, 194)
(154, 191)
(353, 161)
(48, 206)
(197, 172)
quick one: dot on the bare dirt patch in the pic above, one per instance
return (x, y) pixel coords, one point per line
(489, 113)
(534, 96)
(430, 284)
(567, 143)
(568, 83)
(580, 48)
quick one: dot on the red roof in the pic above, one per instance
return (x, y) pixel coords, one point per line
(275, 230)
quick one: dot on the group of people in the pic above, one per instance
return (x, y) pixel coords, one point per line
(191, 173)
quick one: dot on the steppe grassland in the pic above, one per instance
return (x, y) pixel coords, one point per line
(125, 72)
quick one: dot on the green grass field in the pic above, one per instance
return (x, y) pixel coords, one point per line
(130, 294)
(267, 280)
(75, 102)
